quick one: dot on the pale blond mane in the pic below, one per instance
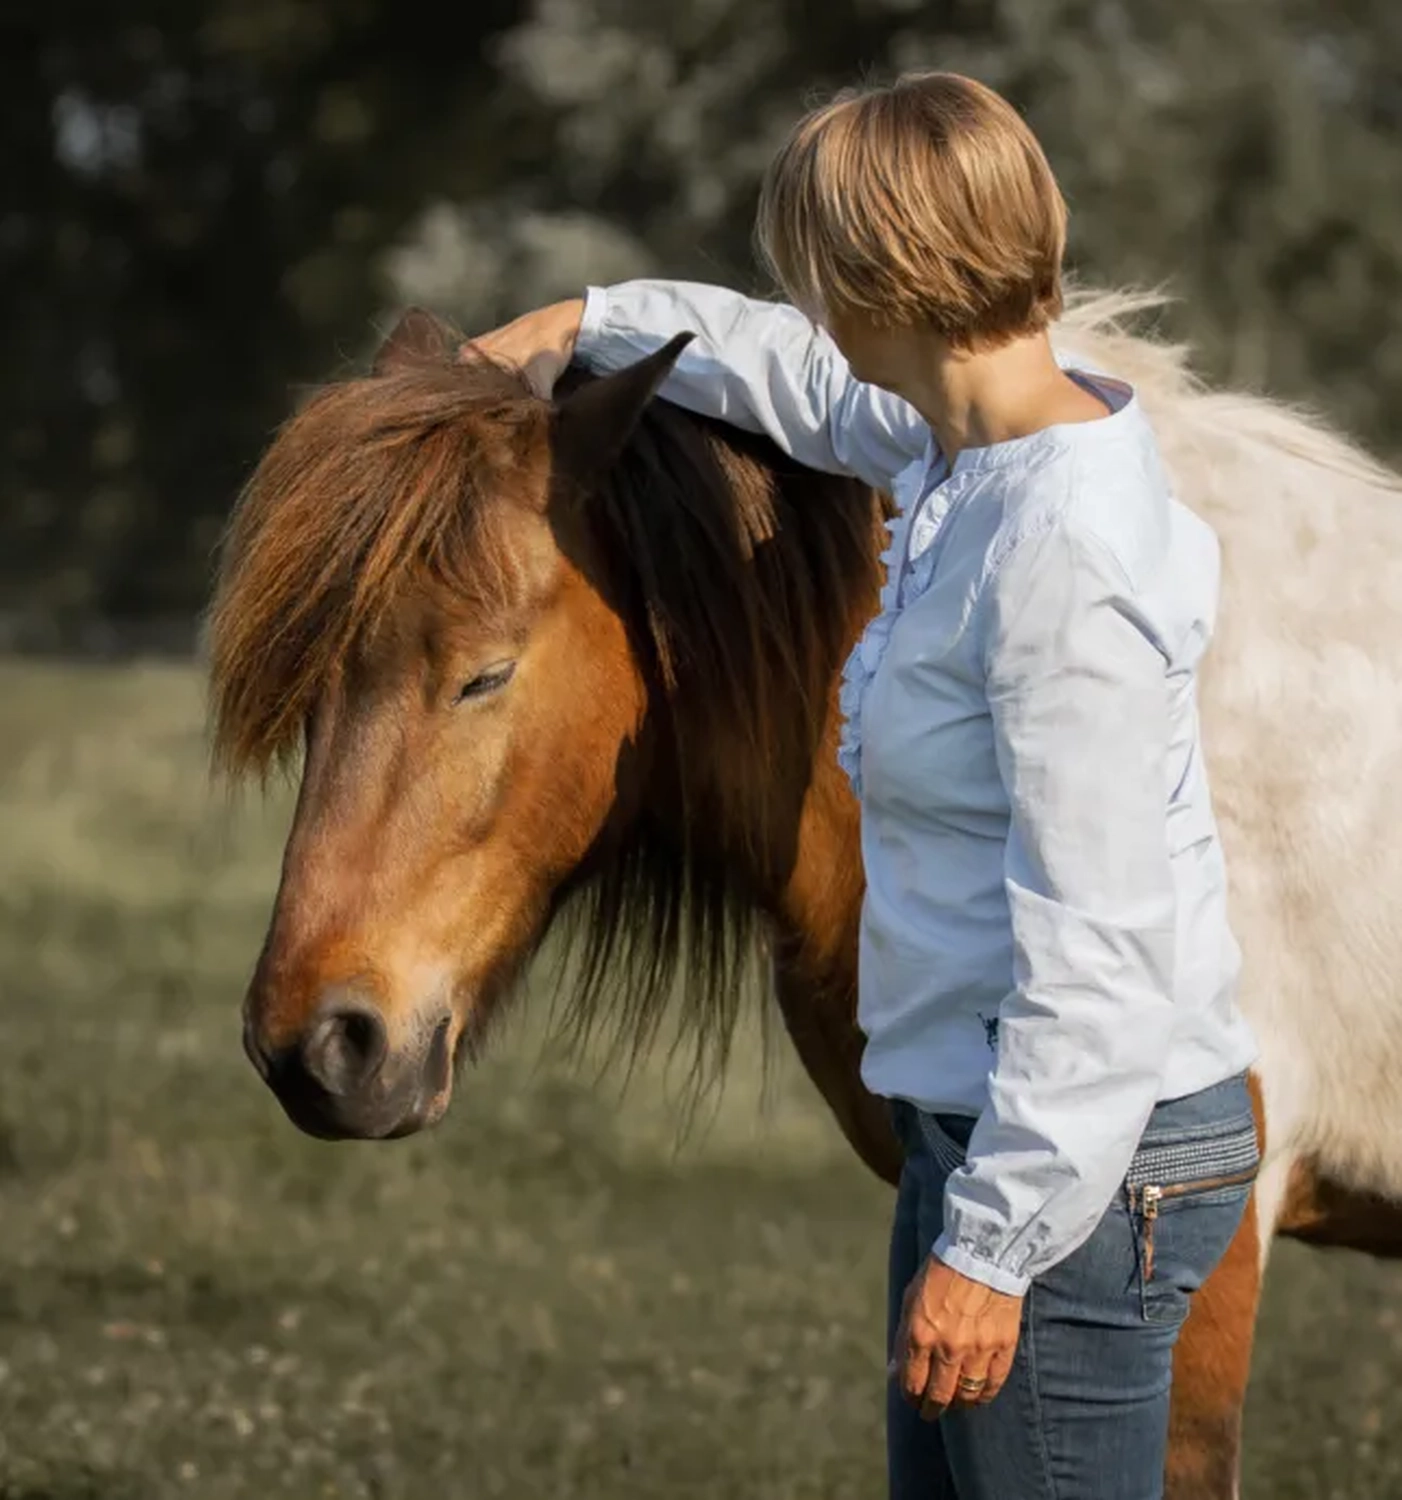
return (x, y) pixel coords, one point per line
(1099, 326)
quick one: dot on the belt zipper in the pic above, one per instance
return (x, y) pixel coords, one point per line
(1150, 1195)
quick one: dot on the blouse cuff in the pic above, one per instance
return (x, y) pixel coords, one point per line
(960, 1258)
(590, 341)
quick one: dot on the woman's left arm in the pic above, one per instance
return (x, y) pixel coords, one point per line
(1079, 702)
(1079, 698)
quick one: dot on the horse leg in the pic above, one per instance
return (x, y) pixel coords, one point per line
(1211, 1365)
(1320, 1211)
(1212, 1361)
(819, 1020)
(1213, 1357)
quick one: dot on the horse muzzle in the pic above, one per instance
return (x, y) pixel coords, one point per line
(341, 1079)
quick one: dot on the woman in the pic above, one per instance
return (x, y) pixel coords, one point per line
(1047, 973)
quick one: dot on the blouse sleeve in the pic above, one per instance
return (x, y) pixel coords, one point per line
(1079, 698)
(761, 366)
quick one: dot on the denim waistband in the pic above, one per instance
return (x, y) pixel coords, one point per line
(1211, 1133)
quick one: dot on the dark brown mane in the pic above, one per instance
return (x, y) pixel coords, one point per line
(743, 579)
(740, 577)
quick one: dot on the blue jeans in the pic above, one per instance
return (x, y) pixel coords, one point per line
(1084, 1414)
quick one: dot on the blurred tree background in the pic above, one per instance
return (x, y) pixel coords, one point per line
(209, 203)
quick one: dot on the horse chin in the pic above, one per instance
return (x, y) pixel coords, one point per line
(339, 1120)
(424, 1116)
(435, 1091)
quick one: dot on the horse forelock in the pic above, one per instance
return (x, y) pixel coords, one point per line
(374, 490)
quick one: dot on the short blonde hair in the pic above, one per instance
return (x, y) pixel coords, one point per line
(928, 202)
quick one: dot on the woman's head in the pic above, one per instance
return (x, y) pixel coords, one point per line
(928, 204)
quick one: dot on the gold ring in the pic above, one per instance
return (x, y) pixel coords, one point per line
(972, 1386)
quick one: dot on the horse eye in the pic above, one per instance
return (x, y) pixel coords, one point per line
(486, 682)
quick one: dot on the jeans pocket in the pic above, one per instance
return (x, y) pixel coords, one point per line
(1186, 1199)
(1181, 1239)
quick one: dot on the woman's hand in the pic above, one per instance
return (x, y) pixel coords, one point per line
(538, 343)
(956, 1340)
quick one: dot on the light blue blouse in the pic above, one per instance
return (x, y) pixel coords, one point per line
(1044, 938)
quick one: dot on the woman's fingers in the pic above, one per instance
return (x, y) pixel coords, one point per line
(973, 1380)
(964, 1380)
(999, 1368)
(538, 343)
(913, 1367)
(936, 1376)
(540, 368)
(910, 1362)
(941, 1389)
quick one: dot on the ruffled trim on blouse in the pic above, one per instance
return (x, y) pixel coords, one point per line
(864, 659)
(896, 593)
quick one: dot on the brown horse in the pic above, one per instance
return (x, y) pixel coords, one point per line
(573, 660)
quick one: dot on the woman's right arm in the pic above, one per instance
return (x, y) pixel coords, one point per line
(761, 366)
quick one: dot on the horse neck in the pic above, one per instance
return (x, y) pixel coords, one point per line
(748, 580)
(800, 853)
(817, 909)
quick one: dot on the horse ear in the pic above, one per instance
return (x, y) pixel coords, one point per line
(418, 338)
(591, 426)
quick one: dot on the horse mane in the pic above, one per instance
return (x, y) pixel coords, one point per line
(740, 578)
(743, 580)
(1098, 326)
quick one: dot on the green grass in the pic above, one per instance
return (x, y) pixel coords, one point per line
(547, 1296)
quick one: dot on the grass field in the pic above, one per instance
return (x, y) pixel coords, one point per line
(546, 1297)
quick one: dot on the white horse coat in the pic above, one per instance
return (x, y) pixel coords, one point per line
(1301, 704)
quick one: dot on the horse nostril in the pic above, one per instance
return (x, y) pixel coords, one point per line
(345, 1048)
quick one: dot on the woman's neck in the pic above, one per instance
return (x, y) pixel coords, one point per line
(973, 399)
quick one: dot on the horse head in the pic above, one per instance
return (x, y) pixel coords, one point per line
(518, 651)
